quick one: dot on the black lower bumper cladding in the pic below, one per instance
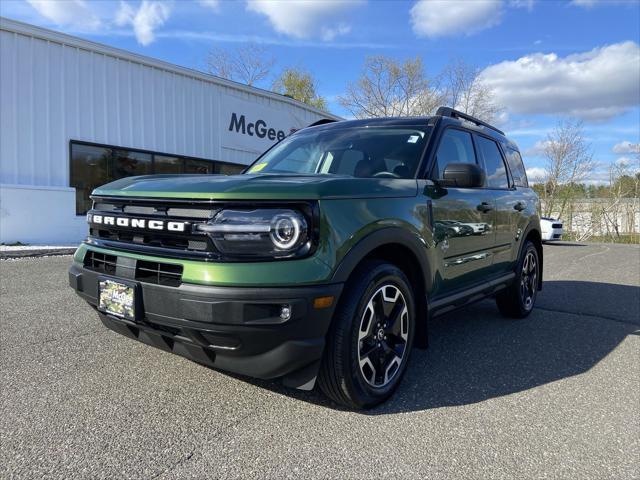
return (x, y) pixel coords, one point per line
(239, 330)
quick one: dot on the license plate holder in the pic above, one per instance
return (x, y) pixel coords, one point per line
(119, 298)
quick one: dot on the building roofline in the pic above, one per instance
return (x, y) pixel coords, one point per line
(16, 26)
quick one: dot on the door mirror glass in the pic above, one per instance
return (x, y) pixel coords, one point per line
(462, 175)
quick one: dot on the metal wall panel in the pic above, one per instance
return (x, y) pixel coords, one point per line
(55, 88)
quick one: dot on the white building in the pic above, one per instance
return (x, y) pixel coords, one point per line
(75, 114)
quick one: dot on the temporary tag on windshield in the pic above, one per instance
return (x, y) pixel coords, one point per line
(258, 167)
(413, 138)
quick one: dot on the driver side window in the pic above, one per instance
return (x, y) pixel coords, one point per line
(348, 162)
(455, 146)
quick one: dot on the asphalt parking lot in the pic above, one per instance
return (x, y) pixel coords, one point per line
(554, 396)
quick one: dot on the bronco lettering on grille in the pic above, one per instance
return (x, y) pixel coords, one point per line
(137, 223)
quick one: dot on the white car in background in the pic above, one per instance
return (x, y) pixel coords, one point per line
(551, 229)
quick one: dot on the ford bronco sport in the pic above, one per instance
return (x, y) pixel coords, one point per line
(326, 258)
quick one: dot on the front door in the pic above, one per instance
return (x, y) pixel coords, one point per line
(463, 218)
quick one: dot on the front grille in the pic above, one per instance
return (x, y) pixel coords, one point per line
(187, 242)
(195, 243)
(159, 273)
(100, 262)
(167, 274)
(168, 228)
(556, 225)
(556, 235)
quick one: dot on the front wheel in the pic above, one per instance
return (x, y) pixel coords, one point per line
(370, 338)
(518, 299)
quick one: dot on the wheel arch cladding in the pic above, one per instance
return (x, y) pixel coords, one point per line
(404, 250)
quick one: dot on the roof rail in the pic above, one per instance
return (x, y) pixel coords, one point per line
(322, 121)
(450, 112)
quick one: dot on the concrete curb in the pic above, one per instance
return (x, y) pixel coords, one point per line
(43, 252)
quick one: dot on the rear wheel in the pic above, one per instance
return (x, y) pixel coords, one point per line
(370, 338)
(518, 299)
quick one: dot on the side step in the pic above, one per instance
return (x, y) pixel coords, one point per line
(457, 300)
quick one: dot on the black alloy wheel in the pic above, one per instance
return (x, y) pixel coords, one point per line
(370, 338)
(383, 336)
(529, 280)
(519, 298)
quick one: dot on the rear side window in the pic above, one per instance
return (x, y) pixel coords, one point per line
(493, 163)
(516, 166)
(455, 146)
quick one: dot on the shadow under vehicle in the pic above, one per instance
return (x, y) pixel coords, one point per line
(474, 355)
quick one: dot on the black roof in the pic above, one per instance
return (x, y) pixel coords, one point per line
(385, 121)
(448, 115)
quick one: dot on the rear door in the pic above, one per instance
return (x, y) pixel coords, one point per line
(463, 218)
(523, 199)
(509, 202)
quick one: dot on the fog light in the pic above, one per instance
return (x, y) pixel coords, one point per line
(285, 312)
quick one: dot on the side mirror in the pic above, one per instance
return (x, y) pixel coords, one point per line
(462, 175)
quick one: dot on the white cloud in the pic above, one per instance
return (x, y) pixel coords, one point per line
(212, 4)
(536, 174)
(598, 177)
(594, 85)
(149, 16)
(626, 147)
(538, 149)
(211, 36)
(628, 162)
(67, 13)
(503, 119)
(329, 33)
(439, 18)
(306, 19)
(595, 3)
(528, 4)
(584, 3)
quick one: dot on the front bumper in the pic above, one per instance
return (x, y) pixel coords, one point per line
(552, 234)
(237, 329)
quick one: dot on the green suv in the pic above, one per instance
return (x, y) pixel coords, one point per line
(325, 260)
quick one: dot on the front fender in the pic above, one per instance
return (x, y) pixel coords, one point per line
(386, 236)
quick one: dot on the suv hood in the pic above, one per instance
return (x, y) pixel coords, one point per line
(258, 187)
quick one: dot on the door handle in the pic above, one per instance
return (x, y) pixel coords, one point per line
(520, 206)
(485, 207)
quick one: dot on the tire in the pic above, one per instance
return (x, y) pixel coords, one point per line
(363, 363)
(519, 298)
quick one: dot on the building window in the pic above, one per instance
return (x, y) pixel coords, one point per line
(198, 166)
(168, 165)
(94, 165)
(127, 163)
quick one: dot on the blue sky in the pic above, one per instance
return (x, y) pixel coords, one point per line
(545, 59)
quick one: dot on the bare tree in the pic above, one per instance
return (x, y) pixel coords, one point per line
(388, 88)
(624, 184)
(248, 63)
(465, 90)
(569, 161)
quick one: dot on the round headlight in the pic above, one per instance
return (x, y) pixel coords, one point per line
(285, 231)
(258, 233)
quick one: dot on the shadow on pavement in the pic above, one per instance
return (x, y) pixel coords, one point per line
(475, 354)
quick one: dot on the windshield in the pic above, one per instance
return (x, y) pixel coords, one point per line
(391, 152)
